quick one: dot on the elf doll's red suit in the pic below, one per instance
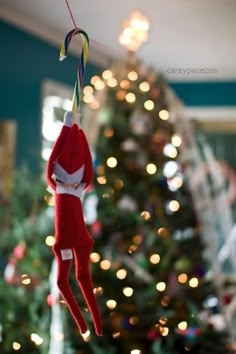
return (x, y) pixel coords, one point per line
(69, 171)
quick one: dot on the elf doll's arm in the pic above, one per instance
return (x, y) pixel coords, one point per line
(88, 163)
(68, 118)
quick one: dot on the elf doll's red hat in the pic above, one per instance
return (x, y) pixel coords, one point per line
(72, 155)
(69, 154)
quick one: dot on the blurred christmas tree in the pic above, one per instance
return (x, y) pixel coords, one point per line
(25, 265)
(148, 261)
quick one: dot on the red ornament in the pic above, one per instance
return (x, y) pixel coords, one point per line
(96, 228)
(227, 299)
(51, 300)
(19, 251)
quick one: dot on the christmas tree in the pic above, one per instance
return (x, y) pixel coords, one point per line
(148, 264)
(25, 266)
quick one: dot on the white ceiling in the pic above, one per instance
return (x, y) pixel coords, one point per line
(183, 34)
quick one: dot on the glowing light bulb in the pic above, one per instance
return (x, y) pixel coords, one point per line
(146, 215)
(182, 278)
(105, 264)
(112, 82)
(116, 335)
(170, 151)
(95, 257)
(162, 232)
(135, 351)
(102, 180)
(164, 114)
(155, 258)
(151, 168)
(170, 169)
(132, 249)
(149, 105)
(144, 86)
(183, 325)
(175, 183)
(95, 79)
(163, 320)
(98, 290)
(173, 206)
(193, 282)
(176, 140)
(111, 304)
(107, 74)
(50, 240)
(25, 279)
(111, 162)
(165, 331)
(88, 90)
(121, 273)
(128, 291)
(125, 84)
(36, 339)
(99, 85)
(132, 75)
(130, 97)
(16, 346)
(161, 286)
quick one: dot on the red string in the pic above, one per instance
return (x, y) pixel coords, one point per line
(71, 15)
(91, 40)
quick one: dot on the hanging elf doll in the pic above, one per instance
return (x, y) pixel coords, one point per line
(69, 171)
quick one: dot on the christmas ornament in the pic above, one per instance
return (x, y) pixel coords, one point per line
(183, 265)
(11, 275)
(140, 123)
(130, 145)
(127, 203)
(69, 171)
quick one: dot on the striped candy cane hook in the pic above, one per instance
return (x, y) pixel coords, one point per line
(82, 64)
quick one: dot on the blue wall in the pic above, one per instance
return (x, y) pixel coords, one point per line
(26, 61)
(206, 93)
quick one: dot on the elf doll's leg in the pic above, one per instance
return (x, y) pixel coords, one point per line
(84, 279)
(63, 285)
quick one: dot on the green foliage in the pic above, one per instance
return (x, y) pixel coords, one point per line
(24, 222)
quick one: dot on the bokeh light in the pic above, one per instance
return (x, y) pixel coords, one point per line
(161, 286)
(144, 86)
(111, 162)
(164, 114)
(149, 105)
(151, 168)
(121, 273)
(155, 258)
(128, 291)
